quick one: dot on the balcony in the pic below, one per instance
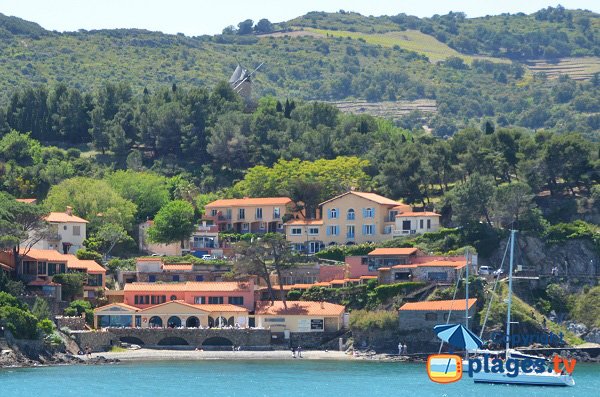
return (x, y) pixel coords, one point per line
(404, 232)
(207, 229)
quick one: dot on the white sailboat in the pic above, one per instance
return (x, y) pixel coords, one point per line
(546, 378)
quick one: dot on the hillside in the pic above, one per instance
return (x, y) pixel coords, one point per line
(347, 57)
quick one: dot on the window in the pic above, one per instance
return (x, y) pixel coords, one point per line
(215, 300)
(405, 225)
(259, 213)
(262, 225)
(199, 300)
(152, 278)
(199, 278)
(350, 231)
(431, 316)
(428, 223)
(136, 300)
(333, 213)
(236, 300)
(245, 226)
(420, 223)
(163, 298)
(387, 229)
(213, 212)
(94, 280)
(242, 213)
(176, 278)
(333, 230)
(76, 230)
(41, 268)
(153, 299)
(350, 215)
(51, 269)
(173, 297)
(276, 213)
(368, 212)
(296, 231)
(279, 226)
(368, 230)
(65, 227)
(392, 216)
(313, 231)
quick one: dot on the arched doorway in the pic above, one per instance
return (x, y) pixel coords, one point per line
(220, 322)
(174, 322)
(211, 322)
(192, 322)
(132, 340)
(217, 343)
(155, 322)
(231, 321)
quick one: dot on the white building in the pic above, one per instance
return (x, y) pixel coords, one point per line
(67, 232)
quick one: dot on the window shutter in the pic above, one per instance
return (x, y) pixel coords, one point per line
(373, 212)
(328, 231)
(329, 214)
(364, 210)
(364, 230)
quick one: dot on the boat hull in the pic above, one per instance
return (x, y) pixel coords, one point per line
(543, 379)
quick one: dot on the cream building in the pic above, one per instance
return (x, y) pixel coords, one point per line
(249, 215)
(416, 223)
(299, 316)
(67, 232)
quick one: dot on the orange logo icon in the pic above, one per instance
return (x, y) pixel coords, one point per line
(444, 368)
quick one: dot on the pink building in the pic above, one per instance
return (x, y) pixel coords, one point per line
(144, 295)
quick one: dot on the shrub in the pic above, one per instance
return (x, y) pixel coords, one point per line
(114, 265)
(72, 284)
(40, 309)
(364, 320)
(294, 295)
(78, 307)
(387, 291)
(89, 254)
(7, 299)
(22, 324)
(340, 252)
(46, 326)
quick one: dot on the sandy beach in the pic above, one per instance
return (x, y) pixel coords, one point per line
(178, 355)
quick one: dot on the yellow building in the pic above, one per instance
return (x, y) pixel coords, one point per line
(350, 218)
(249, 215)
(172, 314)
(299, 316)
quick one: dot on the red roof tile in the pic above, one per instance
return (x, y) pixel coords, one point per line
(393, 251)
(445, 305)
(316, 222)
(62, 217)
(298, 308)
(417, 214)
(369, 196)
(200, 286)
(250, 202)
(177, 267)
(89, 266)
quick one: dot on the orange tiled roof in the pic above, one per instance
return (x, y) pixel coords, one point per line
(402, 207)
(369, 196)
(63, 217)
(305, 222)
(177, 267)
(86, 264)
(249, 202)
(367, 277)
(393, 251)
(445, 305)
(404, 267)
(425, 213)
(298, 308)
(322, 284)
(149, 259)
(191, 286)
(440, 263)
(27, 200)
(222, 308)
(38, 282)
(47, 255)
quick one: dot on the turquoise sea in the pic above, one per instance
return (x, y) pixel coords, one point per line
(265, 378)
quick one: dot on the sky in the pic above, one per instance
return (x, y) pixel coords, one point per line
(198, 17)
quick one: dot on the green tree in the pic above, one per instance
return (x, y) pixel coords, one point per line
(510, 202)
(21, 323)
(40, 309)
(263, 26)
(111, 234)
(147, 190)
(245, 27)
(72, 284)
(471, 200)
(93, 200)
(174, 222)
(261, 256)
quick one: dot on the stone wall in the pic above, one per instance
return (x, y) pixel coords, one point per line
(56, 307)
(73, 323)
(97, 341)
(312, 340)
(386, 340)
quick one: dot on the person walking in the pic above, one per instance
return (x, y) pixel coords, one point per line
(293, 352)
(400, 348)
(299, 351)
(405, 349)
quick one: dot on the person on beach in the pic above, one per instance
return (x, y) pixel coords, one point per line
(405, 349)
(400, 348)
(88, 352)
(293, 352)
(299, 351)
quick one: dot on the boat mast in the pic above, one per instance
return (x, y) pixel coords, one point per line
(510, 271)
(467, 292)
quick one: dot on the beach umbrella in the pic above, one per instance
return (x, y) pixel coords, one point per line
(458, 336)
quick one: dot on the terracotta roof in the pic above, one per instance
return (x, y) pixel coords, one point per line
(149, 259)
(369, 196)
(177, 267)
(393, 251)
(47, 255)
(222, 308)
(322, 284)
(86, 264)
(123, 305)
(63, 217)
(404, 267)
(249, 202)
(192, 286)
(298, 308)
(305, 222)
(27, 200)
(367, 277)
(402, 207)
(439, 263)
(445, 305)
(416, 214)
(383, 268)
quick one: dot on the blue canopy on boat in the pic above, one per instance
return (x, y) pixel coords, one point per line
(458, 336)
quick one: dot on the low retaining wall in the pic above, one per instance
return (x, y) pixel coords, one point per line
(73, 323)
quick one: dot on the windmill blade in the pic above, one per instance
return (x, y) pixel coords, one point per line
(246, 78)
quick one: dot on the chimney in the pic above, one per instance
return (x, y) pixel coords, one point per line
(69, 211)
(322, 305)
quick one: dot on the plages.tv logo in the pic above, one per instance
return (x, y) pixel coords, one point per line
(447, 368)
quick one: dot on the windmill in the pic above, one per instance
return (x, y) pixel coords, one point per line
(240, 80)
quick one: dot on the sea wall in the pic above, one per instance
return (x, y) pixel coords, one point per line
(73, 323)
